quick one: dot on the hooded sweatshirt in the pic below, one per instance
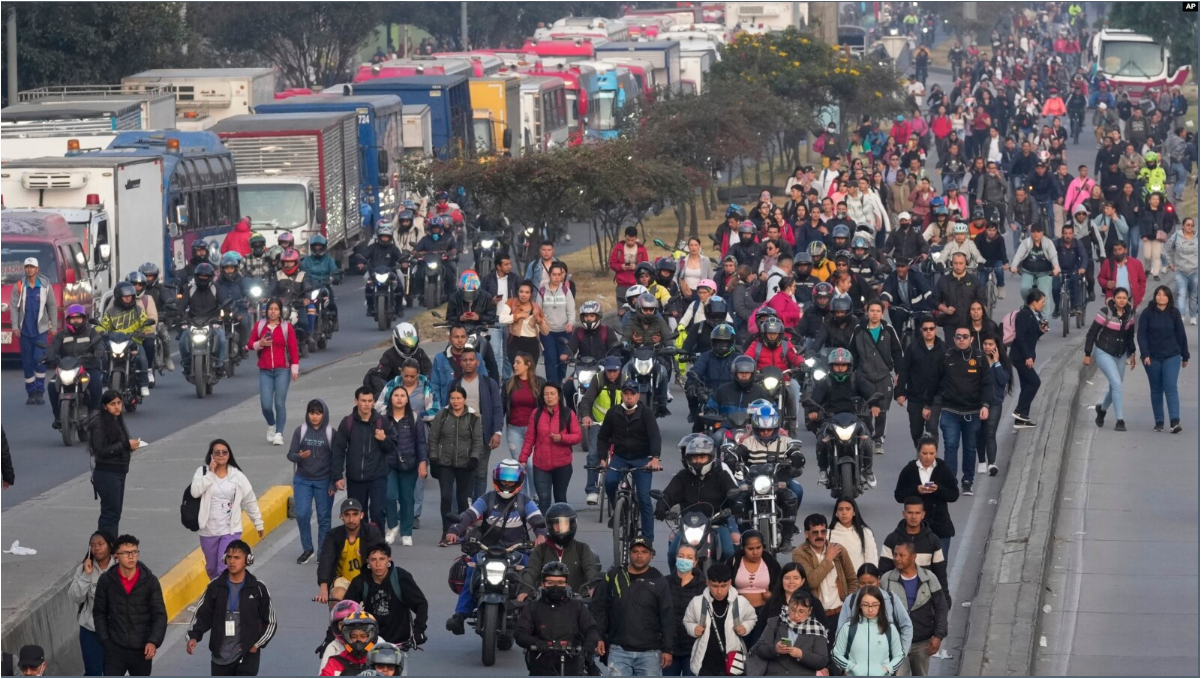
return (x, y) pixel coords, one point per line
(238, 240)
(319, 441)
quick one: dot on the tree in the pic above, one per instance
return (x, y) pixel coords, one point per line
(312, 43)
(1162, 21)
(92, 42)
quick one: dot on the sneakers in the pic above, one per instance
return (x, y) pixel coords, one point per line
(870, 478)
(454, 624)
(593, 499)
(1120, 425)
(270, 434)
(305, 557)
(278, 439)
(406, 540)
(879, 446)
(1176, 428)
(390, 535)
(1192, 321)
(56, 425)
(144, 391)
(966, 488)
(993, 470)
(981, 468)
(416, 522)
(1023, 422)
(822, 477)
(1000, 293)
(150, 378)
(1159, 426)
(1100, 416)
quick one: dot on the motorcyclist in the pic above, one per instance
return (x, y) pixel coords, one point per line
(602, 394)
(727, 233)
(127, 316)
(381, 253)
(906, 241)
(700, 316)
(768, 438)
(590, 338)
(939, 229)
(80, 340)
(863, 263)
(736, 395)
(648, 328)
(360, 632)
(386, 659)
(138, 280)
(772, 348)
(200, 306)
(906, 292)
(582, 564)
(747, 250)
(438, 240)
(1153, 178)
(200, 255)
(476, 311)
(509, 517)
(837, 328)
(703, 480)
(644, 275)
(556, 623)
(233, 290)
(406, 235)
(323, 272)
(840, 238)
(836, 395)
(823, 268)
(848, 283)
(292, 286)
(405, 345)
(711, 370)
(665, 276)
(165, 302)
(815, 315)
(802, 269)
(960, 242)
(631, 305)
(257, 265)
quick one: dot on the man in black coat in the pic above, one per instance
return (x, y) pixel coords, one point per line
(556, 620)
(631, 433)
(964, 385)
(917, 377)
(129, 614)
(236, 607)
(955, 292)
(361, 451)
(634, 612)
(390, 593)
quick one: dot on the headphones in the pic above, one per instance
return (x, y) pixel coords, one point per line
(241, 546)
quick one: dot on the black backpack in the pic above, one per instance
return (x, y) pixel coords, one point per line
(189, 509)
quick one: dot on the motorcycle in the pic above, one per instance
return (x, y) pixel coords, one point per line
(120, 348)
(254, 304)
(695, 526)
(846, 439)
(434, 265)
(233, 339)
(774, 381)
(72, 381)
(204, 374)
(584, 370)
(495, 584)
(764, 485)
(487, 247)
(645, 368)
(404, 279)
(326, 322)
(384, 285)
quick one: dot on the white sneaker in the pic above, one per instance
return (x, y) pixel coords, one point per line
(270, 434)
(278, 439)
(593, 499)
(150, 376)
(406, 541)
(1192, 321)
(145, 392)
(1000, 293)
(982, 468)
(390, 535)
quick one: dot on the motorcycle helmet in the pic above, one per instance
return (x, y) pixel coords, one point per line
(978, 212)
(841, 231)
(859, 247)
(700, 455)
(736, 211)
(258, 243)
(286, 240)
(644, 269)
(561, 523)
(508, 477)
(385, 653)
(555, 569)
(200, 249)
(840, 356)
(590, 308)
(665, 270)
(941, 212)
(384, 234)
(937, 201)
(341, 610)
(1151, 157)
(289, 261)
(722, 340)
(958, 228)
(822, 294)
(841, 304)
(772, 326)
(229, 260)
(204, 273)
(633, 293)
(764, 313)
(138, 280)
(404, 221)
(360, 620)
(765, 420)
(469, 284)
(743, 365)
(647, 304)
(717, 309)
(747, 228)
(802, 259)
(842, 256)
(150, 271)
(817, 251)
(405, 339)
(273, 254)
(73, 311)
(442, 197)
(318, 245)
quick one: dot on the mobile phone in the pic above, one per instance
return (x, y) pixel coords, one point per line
(786, 642)
(928, 485)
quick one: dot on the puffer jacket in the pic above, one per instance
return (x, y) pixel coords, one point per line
(238, 239)
(129, 621)
(699, 614)
(455, 439)
(1112, 332)
(876, 359)
(547, 453)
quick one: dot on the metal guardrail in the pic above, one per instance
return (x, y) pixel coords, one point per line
(65, 92)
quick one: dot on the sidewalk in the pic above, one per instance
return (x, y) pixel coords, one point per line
(1123, 579)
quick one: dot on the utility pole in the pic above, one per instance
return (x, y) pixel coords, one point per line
(463, 26)
(11, 38)
(826, 15)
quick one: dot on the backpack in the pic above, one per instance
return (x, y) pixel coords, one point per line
(1009, 327)
(289, 332)
(393, 580)
(189, 509)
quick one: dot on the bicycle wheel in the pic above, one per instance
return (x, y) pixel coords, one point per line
(620, 508)
(1065, 309)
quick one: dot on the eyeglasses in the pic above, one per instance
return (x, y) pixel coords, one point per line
(220, 452)
(129, 553)
(958, 336)
(817, 531)
(869, 605)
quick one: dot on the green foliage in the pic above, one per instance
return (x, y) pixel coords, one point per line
(1162, 21)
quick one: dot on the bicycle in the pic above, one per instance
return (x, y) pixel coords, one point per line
(991, 294)
(1075, 282)
(626, 515)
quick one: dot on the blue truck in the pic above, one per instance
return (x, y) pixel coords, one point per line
(379, 121)
(449, 99)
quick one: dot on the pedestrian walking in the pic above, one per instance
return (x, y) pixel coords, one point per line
(83, 595)
(848, 529)
(521, 394)
(279, 366)
(931, 550)
(128, 613)
(793, 643)
(918, 377)
(928, 609)
(868, 645)
(526, 322)
(719, 620)
(756, 578)
(1181, 252)
(424, 402)
(312, 455)
(1029, 326)
(361, 452)
(894, 606)
(1155, 226)
(111, 445)
(224, 492)
(552, 431)
(344, 551)
(391, 595)
(1163, 346)
(483, 398)
(236, 608)
(1122, 270)
(961, 399)
(411, 458)
(828, 570)
(685, 583)
(1002, 383)
(1110, 340)
(876, 348)
(558, 307)
(33, 312)
(6, 462)
(456, 444)
(633, 609)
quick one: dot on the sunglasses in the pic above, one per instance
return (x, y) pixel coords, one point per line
(958, 336)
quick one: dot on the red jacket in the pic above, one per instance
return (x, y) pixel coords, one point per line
(900, 132)
(550, 455)
(786, 308)
(941, 127)
(617, 258)
(283, 346)
(783, 357)
(238, 240)
(342, 662)
(1134, 270)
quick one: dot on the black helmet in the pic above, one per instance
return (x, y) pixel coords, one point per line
(840, 231)
(743, 364)
(841, 303)
(822, 294)
(978, 212)
(122, 290)
(666, 264)
(772, 326)
(204, 270)
(258, 243)
(722, 339)
(198, 245)
(137, 278)
(557, 569)
(842, 255)
(717, 309)
(644, 268)
(554, 594)
(560, 524)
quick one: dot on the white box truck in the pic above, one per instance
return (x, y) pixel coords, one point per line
(418, 133)
(205, 96)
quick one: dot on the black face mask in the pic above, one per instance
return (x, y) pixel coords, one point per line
(554, 593)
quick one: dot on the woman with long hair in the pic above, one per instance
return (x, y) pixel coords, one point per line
(1110, 340)
(110, 445)
(847, 528)
(521, 395)
(1163, 346)
(756, 577)
(224, 492)
(1002, 380)
(980, 325)
(83, 594)
(408, 435)
(1181, 251)
(552, 431)
(279, 365)
(876, 649)
(526, 322)
(456, 444)
(693, 268)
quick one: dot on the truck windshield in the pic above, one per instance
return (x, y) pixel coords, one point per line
(605, 116)
(1132, 59)
(12, 261)
(281, 205)
(483, 135)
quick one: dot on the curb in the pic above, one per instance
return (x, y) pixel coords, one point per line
(186, 581)
(1002, 633)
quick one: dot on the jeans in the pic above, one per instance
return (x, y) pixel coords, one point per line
(1041, 280)
(213, 547)
(550, 355)
(374, 496)
(307, 493)
(273, 396)
(31, 363)
(946, 551)
(92, 399)
(1133, 242)
(110, 487)
(1163, 375)
(986, 441)
(623, 663)
(92, 651)
(1074, 289)
(515, 437)
(401, 489)
(454, 483)
(553, 482)
(642, 486)
(1030, 382)
(1186, 293)
(594, 456)
(496, 337)
(219, 348)
(1112, 367)
(680, 667)
(956, 429)
(999, 268)
(1181, 179)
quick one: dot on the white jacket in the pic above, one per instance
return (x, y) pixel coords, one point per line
(855, 549)
(867, 209)
(968, 249)
(699, 612)
(202, 487)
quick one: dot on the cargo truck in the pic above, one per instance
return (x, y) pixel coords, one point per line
(497, 112)
(205, 96)
(418, 134)
(663, 55)
(449, 100)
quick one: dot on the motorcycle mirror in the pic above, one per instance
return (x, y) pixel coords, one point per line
(660, 243)
(435, 314)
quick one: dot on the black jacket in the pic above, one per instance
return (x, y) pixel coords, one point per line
(964, 381)
(358, 455)
(199, 303)
(583, 566)
(686, 489)
(408, 613)
(255, 613)
(541, 621)
(1026, 336)
(108, 440)
(907, 243)
(84, 345)
(632, 435)
(635, 612)
(331, 550)
(681, 596)
(929, 552)
(876, 360)
(838, 397)
(490, 284)
(598, 343)
(391, 362)
(958, 293)
(482, 306)
(920, 294)
(938, 513)
(6, 460)
(131, 620)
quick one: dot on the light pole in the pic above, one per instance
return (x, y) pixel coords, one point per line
(463, 25)
(11, 37)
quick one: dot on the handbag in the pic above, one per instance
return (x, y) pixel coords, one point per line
(735, 660)
(1161, 235)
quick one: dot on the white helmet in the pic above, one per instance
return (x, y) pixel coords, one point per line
(405, 339)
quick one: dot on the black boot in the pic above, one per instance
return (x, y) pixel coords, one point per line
(454, 624)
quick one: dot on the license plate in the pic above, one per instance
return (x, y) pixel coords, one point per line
(6, 338)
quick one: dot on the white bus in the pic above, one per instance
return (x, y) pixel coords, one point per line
(1134, 62)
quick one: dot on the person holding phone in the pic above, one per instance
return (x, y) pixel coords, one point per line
(793, 644)
(933, 481)
(279, 365)
(83, 595)
(224, 491)
(111, 447)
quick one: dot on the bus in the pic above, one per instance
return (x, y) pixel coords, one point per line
(593, 27)
(543, 112)
(764, 17)
(1134, 62)
(420, 65)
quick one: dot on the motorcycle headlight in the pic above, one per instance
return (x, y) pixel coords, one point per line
(381, 278)
(256, 291)
(819, 375)
(199, 337)
(845, 433)
(770, 383)
(494, 572)
(433, 266)
(586, 377)
(314, 295)
(66, 377)
(487, 243)
(643, 366)
(937, 256)
(529, 231)
(810, 362)
(762, 485)
(693, 536)
(119, 348)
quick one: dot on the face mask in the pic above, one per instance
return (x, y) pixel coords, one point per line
(627, 408)
(435, 236)
(554, 594)
(1119, 258)
(684, 566)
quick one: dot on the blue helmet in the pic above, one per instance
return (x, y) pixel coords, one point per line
(318, 245)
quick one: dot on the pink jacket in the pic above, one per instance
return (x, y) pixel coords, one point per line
(786, 308)
(550, 455)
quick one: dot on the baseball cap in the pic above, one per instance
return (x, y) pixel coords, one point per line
(630, 385)
(642, 542)
(31, 656)
(612, 363)
(349, 504)
(904, 215)
(31, 261)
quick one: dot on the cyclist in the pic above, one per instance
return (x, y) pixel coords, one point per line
(836, 395)
(556, 623)
(1044, 190)
(360, 634)
(711, 370)
(768, 438)
(961, 243)
(508, 516)
(630, 436)
(1073, 259)
(991, 246)
(198, 307)
(601, 395)
(906, 293)
(1024, 213)
(703, 480)
(583, 566)
(1037, 260)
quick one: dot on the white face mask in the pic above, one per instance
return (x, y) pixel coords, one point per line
(628, 408)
